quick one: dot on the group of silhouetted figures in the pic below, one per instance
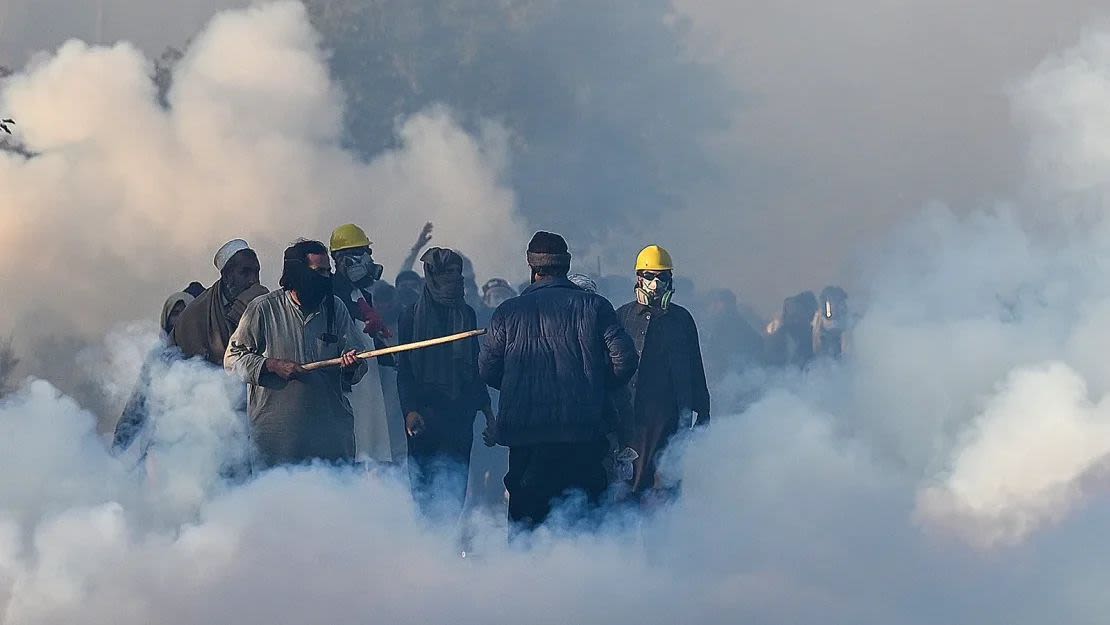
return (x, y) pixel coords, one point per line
(584, 396)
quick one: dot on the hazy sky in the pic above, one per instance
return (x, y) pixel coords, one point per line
(27, 26)
(846, 117)
(854, 114)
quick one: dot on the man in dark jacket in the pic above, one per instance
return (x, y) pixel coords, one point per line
(669, 386)
(439, 386)
(554, 352)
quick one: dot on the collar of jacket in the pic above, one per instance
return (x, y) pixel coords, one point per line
(548, 283)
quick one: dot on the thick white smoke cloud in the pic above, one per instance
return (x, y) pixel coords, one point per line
(973, 401)
(850, 117)
(127, 201)
(1040, 439)
(1026, 457)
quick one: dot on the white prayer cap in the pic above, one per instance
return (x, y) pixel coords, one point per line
(228, 250)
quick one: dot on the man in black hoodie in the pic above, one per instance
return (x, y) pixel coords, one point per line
(554, 352)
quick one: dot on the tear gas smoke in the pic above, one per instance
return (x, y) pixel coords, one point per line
(802, 132)
(971, 409)
(248, 147)
(29, 26)
(850, 117)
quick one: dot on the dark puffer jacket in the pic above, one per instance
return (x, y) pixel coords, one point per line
(554, 352)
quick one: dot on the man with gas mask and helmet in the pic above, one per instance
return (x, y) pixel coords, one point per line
(379, 426)
(670, 386)
(297, 416)
(494, 293)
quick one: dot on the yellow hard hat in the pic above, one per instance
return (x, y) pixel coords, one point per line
(654, 258)
(348, 236)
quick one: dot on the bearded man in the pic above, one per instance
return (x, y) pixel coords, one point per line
(206, 324)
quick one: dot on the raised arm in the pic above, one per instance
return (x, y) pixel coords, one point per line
(414, 253)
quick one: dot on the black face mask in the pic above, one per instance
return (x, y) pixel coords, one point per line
(443, 278)
(445, 287)
(315, 289)
(311, 287)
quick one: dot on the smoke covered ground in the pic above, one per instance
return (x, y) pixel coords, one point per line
(951, 469)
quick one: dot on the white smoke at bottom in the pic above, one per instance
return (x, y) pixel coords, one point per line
(1026, 457)
(973, 401)
(1038, 445)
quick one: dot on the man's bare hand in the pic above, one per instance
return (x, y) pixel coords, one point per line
(284, 369)
(348, 359)
(414, 424)
(424, 238)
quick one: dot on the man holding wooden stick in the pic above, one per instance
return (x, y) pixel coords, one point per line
(298, 414)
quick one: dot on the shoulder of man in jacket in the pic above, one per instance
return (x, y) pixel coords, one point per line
(680, 313)
(627, 310)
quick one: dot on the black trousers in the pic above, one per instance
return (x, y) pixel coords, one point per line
(439, 460)
(540, 474)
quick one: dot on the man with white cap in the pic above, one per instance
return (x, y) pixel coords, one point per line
(205, 326)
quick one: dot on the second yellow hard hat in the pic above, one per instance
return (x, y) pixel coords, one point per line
(654, 258)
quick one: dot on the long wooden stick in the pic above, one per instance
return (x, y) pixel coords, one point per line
(335, 362)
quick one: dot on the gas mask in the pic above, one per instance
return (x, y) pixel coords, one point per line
(360, 269)
(311, 285)
(496, 291)
(497, 296)
(654, 288)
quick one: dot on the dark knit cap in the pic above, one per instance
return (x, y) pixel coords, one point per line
(547, 249)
